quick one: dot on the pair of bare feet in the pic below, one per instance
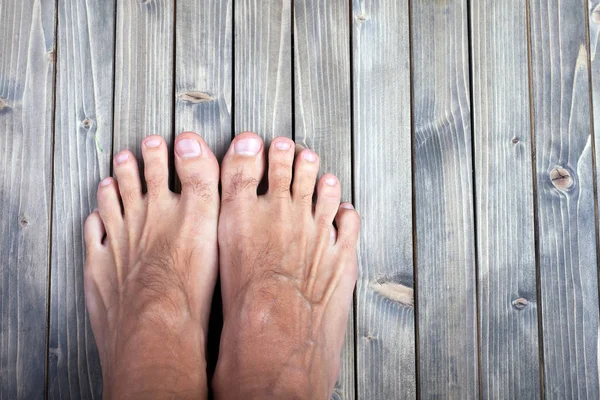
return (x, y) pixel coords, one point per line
(287, 274)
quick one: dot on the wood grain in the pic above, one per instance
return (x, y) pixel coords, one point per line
(82, 157)
(594, 42)
(263, 67)
(143, 73)
(322, 105)
(446, 291)
(565, 199)
(504, 203)
(203, 76)
(385, 320)
(27, 61)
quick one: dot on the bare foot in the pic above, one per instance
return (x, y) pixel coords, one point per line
(149, 281)
(286, 276)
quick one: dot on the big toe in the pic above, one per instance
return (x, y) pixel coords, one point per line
(243, 167)
(198, 171)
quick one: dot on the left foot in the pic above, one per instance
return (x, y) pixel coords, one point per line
(151, 270)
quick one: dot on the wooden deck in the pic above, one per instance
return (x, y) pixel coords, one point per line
(463, 131)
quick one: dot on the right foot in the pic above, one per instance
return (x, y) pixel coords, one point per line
(287, 276)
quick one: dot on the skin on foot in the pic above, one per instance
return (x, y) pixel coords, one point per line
(151, 269)
(287, 275)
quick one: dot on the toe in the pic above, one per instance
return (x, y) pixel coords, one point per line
(348, 226)
(329, 194)
(198, 170)
(305, 176)
(128, 176)
(156, 166)
(109, 206)
(243, 167)
(281, 158)
(93, 231)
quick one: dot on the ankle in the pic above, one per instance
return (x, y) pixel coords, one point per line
(160, 380)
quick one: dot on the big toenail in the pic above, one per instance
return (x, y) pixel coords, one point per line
(331, 181)
(105, 182)
(282, 145)
(347, 206)
(247, 147)
(188, 148)
(309, 156)
(121, 158)
(152, 143)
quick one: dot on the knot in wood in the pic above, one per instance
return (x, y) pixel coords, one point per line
(515, 140)
(561, 178)
(86, 124)
(596, 15)
(3, 104)
(520, 303)
(52, 55)
(362, 17)
(23, 222)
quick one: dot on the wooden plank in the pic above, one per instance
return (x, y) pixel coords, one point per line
(27, 61)
(82, 157)
(143, 73)
(565, 199)
(322, 112)
(594, 42)
(203, 71)
(263, 67)
(385, 323)
(504, 204)
(443, 187)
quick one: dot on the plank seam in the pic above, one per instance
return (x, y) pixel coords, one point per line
(535, 203)
(474, 191)
(50, 226)
(413, 208)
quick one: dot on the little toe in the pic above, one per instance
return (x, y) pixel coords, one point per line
(109, 206)
(306, 169)
(156, 166)
(130, 187)
(243, 167)
(93, 231)
(329, 194)
(198, 171)
(281, 158)
(348, 226)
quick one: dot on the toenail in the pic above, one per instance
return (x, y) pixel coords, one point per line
(331, 181)
(152, 143)
(247, 146)
(347, 206)
(309, 156)
(282, 145)
(121, 158)
(105, 182)
(188, 148)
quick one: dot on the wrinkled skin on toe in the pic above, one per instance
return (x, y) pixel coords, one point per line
(151, 269)
(287, 275)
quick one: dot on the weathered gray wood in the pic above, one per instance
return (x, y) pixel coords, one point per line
(594, 40)
(382, 170)
(203, 71)
(565, 199)
(82, 157)
(504, 204)
(263, 67)
(322, 112)
(443, 187)
(143, 73)
(27, 60)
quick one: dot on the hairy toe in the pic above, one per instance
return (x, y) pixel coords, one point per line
(243, 167)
